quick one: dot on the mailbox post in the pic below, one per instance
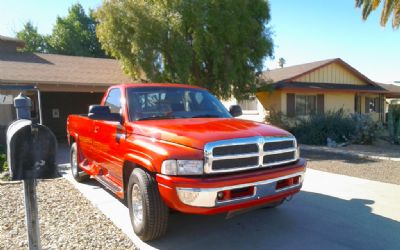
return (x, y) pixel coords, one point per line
(23, 105)
(31, 150)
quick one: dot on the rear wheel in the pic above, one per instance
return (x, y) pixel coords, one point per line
(78, 174)
(148, 212)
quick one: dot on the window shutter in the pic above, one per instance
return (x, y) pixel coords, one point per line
(381, 107)
(320, 104)
(366, 105)
(378, 104)
(357, 104)
(290, 104)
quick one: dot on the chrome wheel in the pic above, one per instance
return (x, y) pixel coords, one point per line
(74, 163)
(137, 205)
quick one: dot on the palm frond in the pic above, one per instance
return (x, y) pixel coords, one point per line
(396, 16)
(387, 11)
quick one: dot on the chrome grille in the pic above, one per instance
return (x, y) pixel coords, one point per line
(249, 153)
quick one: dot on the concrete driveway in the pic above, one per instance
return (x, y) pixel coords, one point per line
(331, 212)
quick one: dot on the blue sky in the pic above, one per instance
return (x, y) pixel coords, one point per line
(303, 31)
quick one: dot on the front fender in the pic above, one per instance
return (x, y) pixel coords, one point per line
(140, 159)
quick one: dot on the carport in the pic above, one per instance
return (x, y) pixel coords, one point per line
(68, 84)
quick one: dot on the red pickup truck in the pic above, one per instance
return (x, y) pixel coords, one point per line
(175, 147)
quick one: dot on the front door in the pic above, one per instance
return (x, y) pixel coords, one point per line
(106, 140)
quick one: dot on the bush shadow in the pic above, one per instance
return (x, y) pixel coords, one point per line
(316, 155)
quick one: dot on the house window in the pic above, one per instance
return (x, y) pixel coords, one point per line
(371, 104)
(305, 104)
(249, 104)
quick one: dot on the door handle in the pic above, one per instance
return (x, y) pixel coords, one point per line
(96, 129)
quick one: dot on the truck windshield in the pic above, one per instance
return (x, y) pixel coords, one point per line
(149, 103)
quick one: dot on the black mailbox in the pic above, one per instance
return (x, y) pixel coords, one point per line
(31, 147)
(31, 150)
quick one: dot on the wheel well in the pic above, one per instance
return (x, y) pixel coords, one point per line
(126, 173)
(71, 139)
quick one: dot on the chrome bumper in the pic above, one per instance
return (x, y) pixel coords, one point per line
(208, 197)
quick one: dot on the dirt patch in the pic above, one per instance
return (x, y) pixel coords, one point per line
(67, 219)
(371, 169)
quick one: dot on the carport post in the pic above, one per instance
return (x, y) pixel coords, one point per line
(23, 105)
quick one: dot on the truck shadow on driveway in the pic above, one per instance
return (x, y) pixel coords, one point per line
(309, 221)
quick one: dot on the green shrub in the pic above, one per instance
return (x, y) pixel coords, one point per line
(3, 160)
(366, 130)
(317, 128)
(278, 119)
(394, 123)
(338, 126)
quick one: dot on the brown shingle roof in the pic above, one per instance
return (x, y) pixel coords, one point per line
(394, 89)
(286, 73)
(289, 73)
(49, 68)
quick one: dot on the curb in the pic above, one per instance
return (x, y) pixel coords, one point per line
(347, 152)
(9, 182)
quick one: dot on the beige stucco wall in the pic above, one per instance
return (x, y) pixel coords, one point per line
(332, 73)
(270, 100)
(336, 101)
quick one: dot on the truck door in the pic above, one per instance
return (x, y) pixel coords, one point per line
(106, 148)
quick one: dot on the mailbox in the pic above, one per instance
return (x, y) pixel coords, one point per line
(31, 147)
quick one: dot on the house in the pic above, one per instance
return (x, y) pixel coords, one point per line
(321, 86)
(68, 84)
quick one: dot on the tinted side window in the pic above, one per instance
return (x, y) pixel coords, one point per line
(114, 101)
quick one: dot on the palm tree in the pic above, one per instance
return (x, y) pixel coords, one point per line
(281, 62)
(390, 7)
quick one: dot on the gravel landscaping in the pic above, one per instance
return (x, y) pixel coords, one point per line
(371, 169)
(67, 219)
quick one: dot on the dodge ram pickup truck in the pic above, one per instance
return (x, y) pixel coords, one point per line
(163, 147)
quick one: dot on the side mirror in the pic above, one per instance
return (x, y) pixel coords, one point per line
(235, 110)
(100, 112)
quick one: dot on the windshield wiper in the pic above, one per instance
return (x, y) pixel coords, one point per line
(206, 116)
(157, 117)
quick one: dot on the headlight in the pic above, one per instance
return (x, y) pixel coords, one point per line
(297, 153)
(182, 167)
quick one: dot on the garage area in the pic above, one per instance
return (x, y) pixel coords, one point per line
(56, 106)
(68, 84)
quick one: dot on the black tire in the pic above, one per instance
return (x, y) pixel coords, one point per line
(78, 174)
(153, 221)
(273, 204)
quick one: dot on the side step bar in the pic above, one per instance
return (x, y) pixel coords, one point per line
(110, 185)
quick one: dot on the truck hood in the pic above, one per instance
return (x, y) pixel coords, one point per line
(196, 132)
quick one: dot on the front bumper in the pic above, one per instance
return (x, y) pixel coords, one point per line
(216, 194)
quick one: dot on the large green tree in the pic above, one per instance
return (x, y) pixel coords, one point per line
(75, 34)
(34, 42)
(390, 8)
(220, 45)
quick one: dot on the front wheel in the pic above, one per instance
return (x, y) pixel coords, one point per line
(77, 173)
(148, 212)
